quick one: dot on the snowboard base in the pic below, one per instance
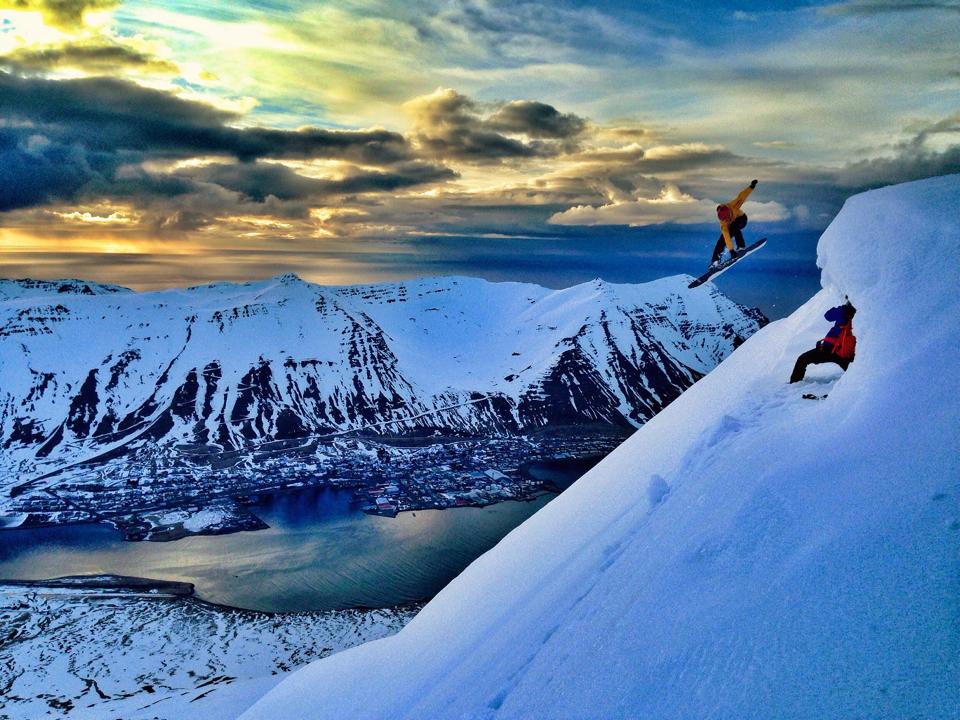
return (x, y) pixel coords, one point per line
(716, 270)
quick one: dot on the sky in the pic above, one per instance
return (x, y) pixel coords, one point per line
(161, 144)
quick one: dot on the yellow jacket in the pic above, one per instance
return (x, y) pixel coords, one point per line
(735, 212)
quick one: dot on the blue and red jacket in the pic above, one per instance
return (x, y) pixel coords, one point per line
(840, 340)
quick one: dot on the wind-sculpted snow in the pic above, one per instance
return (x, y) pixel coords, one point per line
(94, 371)
(747, 553)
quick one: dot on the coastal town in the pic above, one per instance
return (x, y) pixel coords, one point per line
(169, 492)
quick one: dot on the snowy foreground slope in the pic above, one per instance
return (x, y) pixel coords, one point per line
(747, 553)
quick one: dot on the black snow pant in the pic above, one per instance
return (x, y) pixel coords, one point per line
(736, 233)
(816, 356)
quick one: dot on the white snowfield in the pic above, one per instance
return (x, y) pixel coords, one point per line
(747, 553)
(99, 654)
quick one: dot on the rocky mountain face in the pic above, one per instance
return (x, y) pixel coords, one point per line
(86, 369)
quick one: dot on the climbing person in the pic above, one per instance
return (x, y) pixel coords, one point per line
(839, 345)
(732, 221)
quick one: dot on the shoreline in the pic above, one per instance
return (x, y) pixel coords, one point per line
(250, 522)
(161, 589)
(533, 497)
(129, 586)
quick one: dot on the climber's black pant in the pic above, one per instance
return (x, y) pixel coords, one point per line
(815, 357)
(736, 233)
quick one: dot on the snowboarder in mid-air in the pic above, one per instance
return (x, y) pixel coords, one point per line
(732, 222)
(839, 346)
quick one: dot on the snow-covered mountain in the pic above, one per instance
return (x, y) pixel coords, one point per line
(747, 553)
(89, 369)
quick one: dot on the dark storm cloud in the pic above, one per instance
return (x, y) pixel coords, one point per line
(452, 126)
(39, 173)
(904, 167)
(258, 181)
(94, 56)
(61, 13)
(35, 170)
(468, 144)
(536, 119)
(63, 140)
(912, 161)
(108, 114)
(374, 147)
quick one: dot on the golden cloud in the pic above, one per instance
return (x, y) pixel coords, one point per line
(66, 14)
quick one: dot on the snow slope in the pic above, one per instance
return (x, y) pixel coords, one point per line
(747, 553)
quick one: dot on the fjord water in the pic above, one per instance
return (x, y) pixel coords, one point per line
(320, 553)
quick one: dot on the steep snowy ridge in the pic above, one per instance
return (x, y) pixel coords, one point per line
(747, 553)
(88, 369)
(43, 288)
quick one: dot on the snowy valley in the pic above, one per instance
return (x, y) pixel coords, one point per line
(159, 410)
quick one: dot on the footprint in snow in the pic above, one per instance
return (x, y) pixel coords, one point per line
(727, 427)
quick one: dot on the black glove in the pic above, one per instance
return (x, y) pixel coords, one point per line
(753, 184)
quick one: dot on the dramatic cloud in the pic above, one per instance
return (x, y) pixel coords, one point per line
(95, 137)
(625, 175)
(34, 171)
(258, 181)
(60, 13)
(98, 56)
(536, 119)
(817, 109)
(903, 167)
(451, 126)
(911, 160)
(109, 114)
(671, 206)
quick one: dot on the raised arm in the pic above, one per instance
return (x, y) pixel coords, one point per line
(741, 198)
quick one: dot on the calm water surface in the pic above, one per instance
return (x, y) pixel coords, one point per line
(320, 553)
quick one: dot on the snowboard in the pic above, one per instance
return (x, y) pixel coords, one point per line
(727, 264)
